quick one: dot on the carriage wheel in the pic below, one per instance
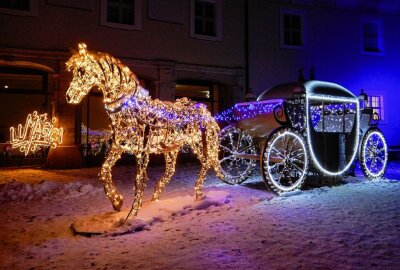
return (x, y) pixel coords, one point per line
(374, 154)
(284, 161)
(234, 141)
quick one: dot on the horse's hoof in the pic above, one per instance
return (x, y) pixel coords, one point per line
(200, 196)
(117, 203)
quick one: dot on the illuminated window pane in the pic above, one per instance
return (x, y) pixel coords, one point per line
(376, 103)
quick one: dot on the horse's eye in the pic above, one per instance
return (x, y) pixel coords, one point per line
(81, 71)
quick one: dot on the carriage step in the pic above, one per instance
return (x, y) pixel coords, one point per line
(248, 156)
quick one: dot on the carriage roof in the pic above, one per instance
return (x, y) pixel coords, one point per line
(320, 88)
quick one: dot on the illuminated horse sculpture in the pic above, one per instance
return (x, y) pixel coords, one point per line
(141, 125)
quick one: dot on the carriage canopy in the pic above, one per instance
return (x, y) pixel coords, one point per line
(332, 127)
(285, 91)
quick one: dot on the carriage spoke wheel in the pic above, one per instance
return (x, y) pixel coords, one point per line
(284, 161)
(374, 154)
(234, 141)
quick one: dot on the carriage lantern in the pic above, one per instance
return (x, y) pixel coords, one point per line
(363, 99)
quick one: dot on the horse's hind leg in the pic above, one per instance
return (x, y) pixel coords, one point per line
(106, 177)
(140, 183)
(170, 163)
(212, 141)
(199, 183)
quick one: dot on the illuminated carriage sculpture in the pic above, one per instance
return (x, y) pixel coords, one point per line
(296, 130)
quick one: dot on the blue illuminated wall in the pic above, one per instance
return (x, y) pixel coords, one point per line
(333, 45)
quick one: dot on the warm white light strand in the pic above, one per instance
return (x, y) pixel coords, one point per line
(141, 125)
(37, 132)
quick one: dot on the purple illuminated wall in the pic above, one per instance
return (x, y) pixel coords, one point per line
(333, 45)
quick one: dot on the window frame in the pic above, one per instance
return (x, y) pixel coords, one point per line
(218, 21)
(381, 48)
(32, 12)
(137, 17)
(302, 16)
(381, 108)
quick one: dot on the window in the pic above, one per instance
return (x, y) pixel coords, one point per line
(203, 92)
(123, 14)
(19, 7)
(376, 104)
(15, 4)
(292, 29)
(372, 37)
(206, 19)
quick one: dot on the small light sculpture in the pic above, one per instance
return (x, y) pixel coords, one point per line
(37, 132)
(142, 125)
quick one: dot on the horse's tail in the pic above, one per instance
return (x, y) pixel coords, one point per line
(212, 146)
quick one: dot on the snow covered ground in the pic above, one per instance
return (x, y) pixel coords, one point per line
(355, 225)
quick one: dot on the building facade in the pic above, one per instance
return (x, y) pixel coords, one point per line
(209, 50)
(176, 48)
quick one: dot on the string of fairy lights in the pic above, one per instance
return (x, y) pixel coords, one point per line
(337, 117)
(37, 133)
(242, 111)
(141, 125)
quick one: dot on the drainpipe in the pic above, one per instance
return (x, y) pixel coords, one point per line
(246, 43)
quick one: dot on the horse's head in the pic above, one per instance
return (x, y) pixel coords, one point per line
(86, 74)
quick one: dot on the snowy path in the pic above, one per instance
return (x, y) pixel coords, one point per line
(351, 226)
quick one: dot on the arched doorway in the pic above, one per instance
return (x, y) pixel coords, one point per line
(23, 89)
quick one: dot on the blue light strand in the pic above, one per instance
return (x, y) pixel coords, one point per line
(242, 111)
(333, 114)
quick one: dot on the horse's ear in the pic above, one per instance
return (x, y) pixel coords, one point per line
(82, 48)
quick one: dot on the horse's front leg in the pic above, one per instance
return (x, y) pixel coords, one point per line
(170, 163)
(106, 177)
(140, 183)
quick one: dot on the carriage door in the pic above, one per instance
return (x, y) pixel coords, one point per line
(333, 134)
(201, 91)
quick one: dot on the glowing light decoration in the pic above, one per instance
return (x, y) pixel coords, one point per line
(357, 128)
(333, 117)
(285, 161)
(37, 132)
(98, 139)
(246, 110)
(142, 125)
(323, 133)
(234, 142)
(374, 154)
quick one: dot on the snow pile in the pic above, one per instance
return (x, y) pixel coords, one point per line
(19, 192)
(112, 224)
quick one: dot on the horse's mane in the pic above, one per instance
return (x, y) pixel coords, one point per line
(110, 66)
